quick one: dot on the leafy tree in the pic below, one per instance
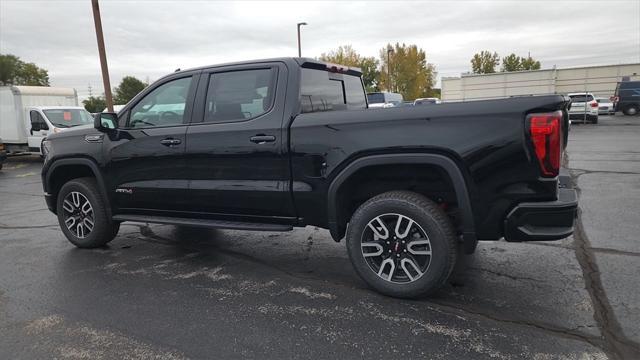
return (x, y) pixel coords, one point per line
(530, 63)
(14, 71)
(435, 92)
(370, 73)
(346, 55)
(517, 63)
(411, 74)
(128, 88)
(95, 104)
(511, 63)
(485, 62)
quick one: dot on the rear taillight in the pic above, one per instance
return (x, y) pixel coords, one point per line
(594, 104)
(546, 136)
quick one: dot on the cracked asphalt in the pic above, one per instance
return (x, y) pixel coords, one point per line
(165, 292)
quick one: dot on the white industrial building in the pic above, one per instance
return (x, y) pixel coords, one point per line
(599, 80)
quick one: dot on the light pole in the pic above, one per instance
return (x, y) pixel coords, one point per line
(103, 56)
(389, 51)
(299, 46)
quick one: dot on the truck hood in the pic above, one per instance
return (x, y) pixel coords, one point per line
(80, 130)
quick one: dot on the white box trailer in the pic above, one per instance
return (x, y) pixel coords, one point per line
(15, 104)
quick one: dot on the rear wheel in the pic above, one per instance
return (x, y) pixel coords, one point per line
(631, 110)
(402, 244)
(82, 214)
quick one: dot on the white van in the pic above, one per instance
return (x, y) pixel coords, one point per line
(29, 113)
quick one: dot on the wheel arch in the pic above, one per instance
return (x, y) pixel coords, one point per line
(64, 170)
(337, 226)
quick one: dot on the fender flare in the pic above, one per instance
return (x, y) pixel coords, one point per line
(84, 162)
(444, 162)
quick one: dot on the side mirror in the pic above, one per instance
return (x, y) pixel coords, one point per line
(105, 121)
(35, 126)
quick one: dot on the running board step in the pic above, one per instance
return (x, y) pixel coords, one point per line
(206, 223)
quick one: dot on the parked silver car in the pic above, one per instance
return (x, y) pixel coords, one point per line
(605, 106)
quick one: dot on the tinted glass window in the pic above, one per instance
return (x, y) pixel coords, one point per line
(581, 98)
(64, 118)
(355, 92)
(324, 91)
(37, 119)
(164, 106)
(239, 95)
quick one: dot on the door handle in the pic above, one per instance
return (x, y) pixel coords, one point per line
(170, 142)
(261, 139)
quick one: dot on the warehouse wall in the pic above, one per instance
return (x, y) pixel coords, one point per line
(600, 80)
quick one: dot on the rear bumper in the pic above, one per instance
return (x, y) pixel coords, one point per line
(540, 221)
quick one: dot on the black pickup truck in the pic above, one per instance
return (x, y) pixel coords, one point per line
(281, 143)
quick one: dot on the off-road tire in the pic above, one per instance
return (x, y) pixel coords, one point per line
(104, 229)
(425, 213)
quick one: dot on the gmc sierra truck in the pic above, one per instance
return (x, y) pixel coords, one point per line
(282, 143)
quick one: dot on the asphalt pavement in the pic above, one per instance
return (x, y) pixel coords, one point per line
(166, 292)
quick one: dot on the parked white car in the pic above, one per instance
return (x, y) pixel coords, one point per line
(605, 106)
(584, 107)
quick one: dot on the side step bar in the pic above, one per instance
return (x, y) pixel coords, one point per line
(213, 224)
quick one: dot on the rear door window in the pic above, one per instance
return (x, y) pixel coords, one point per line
(239, 95)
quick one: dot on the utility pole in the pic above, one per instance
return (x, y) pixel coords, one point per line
(103, 56)
(389, 51)
(299, 46)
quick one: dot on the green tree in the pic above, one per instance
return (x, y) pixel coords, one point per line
(128, 88)
(94, 104)
(411, 74)
(530, 63)
(346, 55)
(14, 71)
(485, 62)
(517, 63)
(512, 62)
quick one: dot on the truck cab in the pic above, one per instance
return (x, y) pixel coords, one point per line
(46, 120)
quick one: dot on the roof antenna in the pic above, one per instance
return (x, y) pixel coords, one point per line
(176, 70)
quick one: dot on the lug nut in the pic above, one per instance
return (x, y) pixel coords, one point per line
(405, 250)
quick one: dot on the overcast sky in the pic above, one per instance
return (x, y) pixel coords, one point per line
(148, 39)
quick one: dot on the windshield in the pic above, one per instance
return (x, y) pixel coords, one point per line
(581, 98)
(65, 118)
(375, 98)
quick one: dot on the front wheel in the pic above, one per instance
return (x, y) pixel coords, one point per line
(82, 214)
(402, 244)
